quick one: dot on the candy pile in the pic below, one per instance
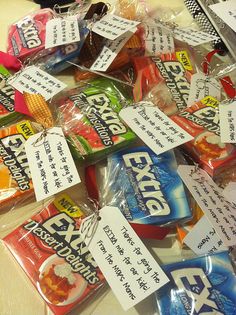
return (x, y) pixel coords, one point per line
(147, 131)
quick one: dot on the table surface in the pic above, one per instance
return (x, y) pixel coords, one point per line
(18, 296)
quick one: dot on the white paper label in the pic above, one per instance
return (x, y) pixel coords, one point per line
(203, 239)
(202, 86)
(193, 37)
(51, 164)
(62, 31)
(219, 211)
(158, 42)
(36, 81)
(153, 127)
(227, 115)
(226, 10)
(110, 51)
(130, 270)
(230, 192)
(112, 26)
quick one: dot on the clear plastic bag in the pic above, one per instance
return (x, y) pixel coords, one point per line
(145, 186)
(90, 119)
(198, 286)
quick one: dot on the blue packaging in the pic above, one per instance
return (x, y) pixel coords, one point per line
(204, 285)
(146, 187)
(57, 61)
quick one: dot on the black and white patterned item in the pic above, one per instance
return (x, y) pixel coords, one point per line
(204, 23)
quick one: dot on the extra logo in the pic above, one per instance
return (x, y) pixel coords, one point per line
(195, 291)
(140, 167)
(29, 33)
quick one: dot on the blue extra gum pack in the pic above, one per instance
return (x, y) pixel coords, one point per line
(204, 285)
(146, 187)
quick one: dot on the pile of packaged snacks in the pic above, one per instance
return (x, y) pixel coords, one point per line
(127, 174)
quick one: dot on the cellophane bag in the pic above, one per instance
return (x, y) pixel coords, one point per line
(90, 119)
(27, 36)
(145, 186)
(51, 252)
(202, 285)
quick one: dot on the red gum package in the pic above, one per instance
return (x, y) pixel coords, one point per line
(166, 77)
(49, 249)
(201, 120)
(27, 36)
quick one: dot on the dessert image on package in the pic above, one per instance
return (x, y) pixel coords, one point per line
(204, 285)
(164, 80)
(90, 117)
(15, 180)
(60, 265)
(201, 120)
(145, 186)
(7, 112)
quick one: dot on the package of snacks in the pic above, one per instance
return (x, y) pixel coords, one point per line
(201, 120)
(90, 117)
(145, 186)
(7, 110)
(27, 36)
(203, 285)
(164, 80)
(51, 252)
(15, 179)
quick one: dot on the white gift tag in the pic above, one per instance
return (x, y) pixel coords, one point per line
(202, 86)
(219, 211)
(227, 115)
(110, 51)
(51, 164)
(129, 268)
(193, 37)
(153, 127)
(203, 239)
(157, 42)
(62, 31)
(226, 10)
(230, 192)
(36, 81)
(112, 26)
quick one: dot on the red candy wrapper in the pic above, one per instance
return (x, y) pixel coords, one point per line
(27, 36)
(201, 120)
(49, 249)
(164, 80)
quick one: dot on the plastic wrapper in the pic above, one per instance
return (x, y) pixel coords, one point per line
(201, 120)
(164, 80)
(27, 36)
(56, 259)
(184, 229)
(7, 92)
(204, 285)
(145, 186)
(16, 182)
(90, 119)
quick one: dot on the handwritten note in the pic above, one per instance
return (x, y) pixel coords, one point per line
(203, 239)
(219, 211)
(36, 81)
(112, 26)
(157, 41)
(51, 164)
(226, 10)
(230, 192)
(202, 86)
(227, 115)
(131, 271)
(152, 126)
(110, 51)
(62, 31)
(193, 37)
